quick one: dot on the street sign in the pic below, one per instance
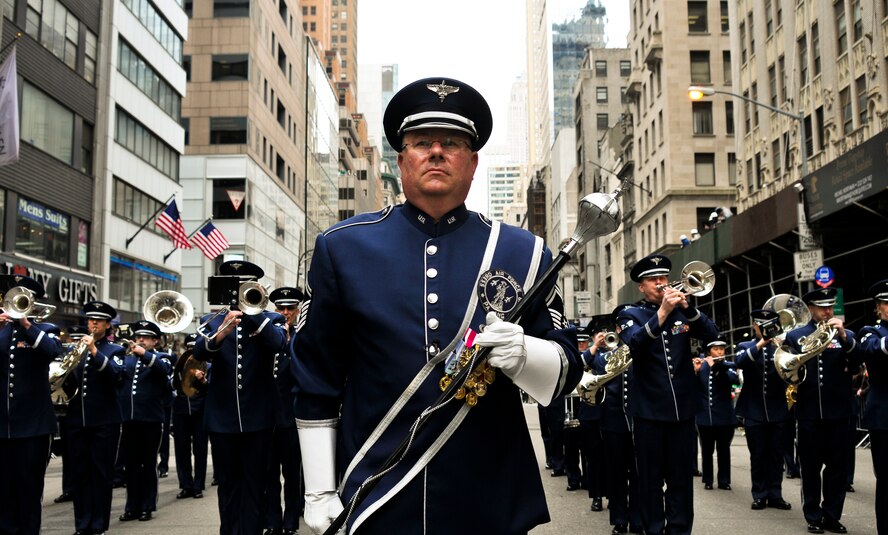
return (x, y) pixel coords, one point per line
(807, 242)
(584, 303)
(824, 276)
(806, 263)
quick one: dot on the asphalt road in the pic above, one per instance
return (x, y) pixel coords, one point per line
(716, 511)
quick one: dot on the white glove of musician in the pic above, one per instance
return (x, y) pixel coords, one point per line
(533, 364)
(322, 503)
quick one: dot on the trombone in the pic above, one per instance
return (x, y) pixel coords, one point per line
(697, 278)
(20, 302)
(252, 299)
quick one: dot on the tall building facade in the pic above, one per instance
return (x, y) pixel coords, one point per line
(539, 115)
(517, 121)
(50, 224)
(378, 84)
(569, 42)
(144, 140)
(502, 176)
(250, 149)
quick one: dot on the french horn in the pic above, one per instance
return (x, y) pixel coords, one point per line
(617, 362)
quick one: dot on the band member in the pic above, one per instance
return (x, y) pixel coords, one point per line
(145, 388)
(762, 405)
(618, 458)
(391, 296)
(27, 419)
(588, 433)
(189, 431)
(93, 421)
(242, 403)
(285, 459)
(715, 417)
(874, 344)
(658, 331)
(75, 333)
(824, 408)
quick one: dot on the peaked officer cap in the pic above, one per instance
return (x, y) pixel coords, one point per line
(821, 297)
(718, 342)
(11, 281)
(145, 328)
(879, 290)
(77, 332)
(241, 268)
(655, 265)
(99, 310)
(598, 323)
(286, 296)
(190, 340)
(762, 316)
(616, 312)
(437, 103)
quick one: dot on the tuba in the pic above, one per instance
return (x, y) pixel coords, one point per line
(617, 363)
(170, 310)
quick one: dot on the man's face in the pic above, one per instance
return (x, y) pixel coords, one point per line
(648, 286)
(819, 314)
(97, 326)
(148, 342)
(290, 312)
(583, 345)
(443, 170)
(882, 310)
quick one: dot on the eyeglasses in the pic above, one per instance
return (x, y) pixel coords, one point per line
(449, 145)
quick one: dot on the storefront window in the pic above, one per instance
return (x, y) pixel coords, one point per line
(83, 245)
(132, 282)
(42, 232)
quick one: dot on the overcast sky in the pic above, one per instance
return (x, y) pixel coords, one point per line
(480, 42)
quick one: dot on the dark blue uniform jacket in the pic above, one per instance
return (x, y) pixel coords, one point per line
(24, 360)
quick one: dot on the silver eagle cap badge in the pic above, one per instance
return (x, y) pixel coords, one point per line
(442, 90)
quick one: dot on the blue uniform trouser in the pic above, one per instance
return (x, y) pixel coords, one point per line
(191, 436)
(67, 484)
(141, 440)
(285, 460)
(555, 421)
(622, 481)
(23, 465)
(716, 439)
(163, 463)
(241, 464)
(92, 453)
(879, 450)
(823, 446)
(765, 443)
(664, 453)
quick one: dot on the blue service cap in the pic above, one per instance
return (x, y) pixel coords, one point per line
(99, 310)
(655, 265)
(11, 281)
(879, 290)
(286, 296)
(821, 297)
(145, 328)
(241, 268)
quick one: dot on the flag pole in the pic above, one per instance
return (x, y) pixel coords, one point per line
(18, 35)
(169, 254)
(145, 224)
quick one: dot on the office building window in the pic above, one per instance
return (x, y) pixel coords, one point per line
(704, 169)
(86, 148)
(772, 85)
(815, 47)
(601, 120)
(600, 68)
(729, 118)
(229, 198)
(231, 8)
(726, 67)
(142, 142)
(625, 68)
(90, 56)
(700, 67)
(57, 29)
(152, 19)
(803, 60)
(732, 169)
(42, 232)
(132, 282)
(861, 100)
(134, 205)
(742, 30)
(601, 94)
(228, 130)
(697, 20)
(841, 28)
(702, 117)
(46, 124)
(769, 18)
(230, 67)
(149, 81)
(723, 11)
(776, 158)
(857, 13)
(847, 112)
(8, 8)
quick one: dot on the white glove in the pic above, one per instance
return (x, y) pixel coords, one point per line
(322, 503)
(531, 363)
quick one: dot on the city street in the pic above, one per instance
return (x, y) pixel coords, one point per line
(716, 511)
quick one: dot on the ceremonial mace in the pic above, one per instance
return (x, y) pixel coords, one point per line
(598, 215)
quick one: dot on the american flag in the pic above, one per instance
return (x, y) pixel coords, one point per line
(209, 240)
(170, 222)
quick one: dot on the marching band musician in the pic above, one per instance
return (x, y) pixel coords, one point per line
(658, 331)
(27, 418)
(764, 411)
(874, 346)
(824, 408)
(618, 449)
(75, 333)
(285, 456)
(93, 421)
(715, 417)
(189, 432)
(145, 388)
(409, 280)
(242, 403)
(588, 433)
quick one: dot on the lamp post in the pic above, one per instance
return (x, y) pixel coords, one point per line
(697, 92)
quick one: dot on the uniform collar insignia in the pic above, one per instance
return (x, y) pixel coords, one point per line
(442, 90)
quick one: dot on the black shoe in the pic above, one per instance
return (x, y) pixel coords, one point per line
(726, 486)
(214, 482)
(64, 497)
(697, 473)
(779, 503)
(815, 527)
(596, 505)
(83, 532)
(163, 474)
(271, 531)
(758, 505)
(145, 516)
(184, 493)
(558, 473)
(290, 532)
(619, 528)
(792, 475)
(833, 526)
(129, 515)
(198, 495)
(636, 529)
(574, 486)
(708, 486)
(849, 488)
(548, 465)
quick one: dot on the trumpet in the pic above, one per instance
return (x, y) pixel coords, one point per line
(252, 299)
(611, 340)
(20, 302)
(697, 278)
